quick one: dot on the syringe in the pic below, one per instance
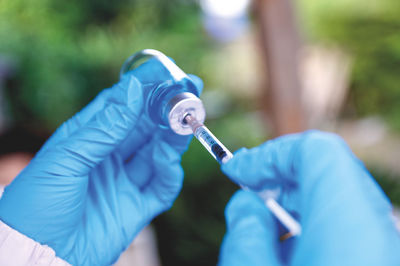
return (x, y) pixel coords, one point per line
(175, 103)
(223, 155)
(209, 141)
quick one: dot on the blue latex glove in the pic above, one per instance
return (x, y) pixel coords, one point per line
(103, 176)
(345, 217)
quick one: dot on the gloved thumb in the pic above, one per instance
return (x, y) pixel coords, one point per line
(252, 236)
(100, 136)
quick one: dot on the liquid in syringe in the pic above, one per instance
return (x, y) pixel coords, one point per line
(209, 141)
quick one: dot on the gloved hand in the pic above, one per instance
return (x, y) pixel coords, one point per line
(345, 217)
(103, 176)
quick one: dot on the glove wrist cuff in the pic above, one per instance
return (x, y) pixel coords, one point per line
(18, 249)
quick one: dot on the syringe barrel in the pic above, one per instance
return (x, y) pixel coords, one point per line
(209, 141)
(213, 145)
(161, 98)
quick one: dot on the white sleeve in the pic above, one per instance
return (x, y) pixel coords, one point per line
(17, 249)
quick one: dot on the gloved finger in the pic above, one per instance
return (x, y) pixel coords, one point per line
(330, 184)
(140, 168)
(142, 162)
(198, 82)
(137, 138)
(103, 99)
(166, 180)
(341, 205)
(79, 119)
(144, 133)
(264, 165)
(287, 158)
(308, 160)
(251, 237)
(95, 140)
(146, 129)
(150, 72)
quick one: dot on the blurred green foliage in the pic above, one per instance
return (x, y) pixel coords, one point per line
(389, 182)
(64, 52)
(369, 32)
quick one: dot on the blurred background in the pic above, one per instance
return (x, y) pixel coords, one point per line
(269, 68)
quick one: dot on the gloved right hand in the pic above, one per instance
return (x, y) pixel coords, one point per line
(346, 219)
(102, 176)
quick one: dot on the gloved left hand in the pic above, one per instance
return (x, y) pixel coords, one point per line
(104, 175)
(345, 217)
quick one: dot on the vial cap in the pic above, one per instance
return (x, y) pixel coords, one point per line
(181, 105)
